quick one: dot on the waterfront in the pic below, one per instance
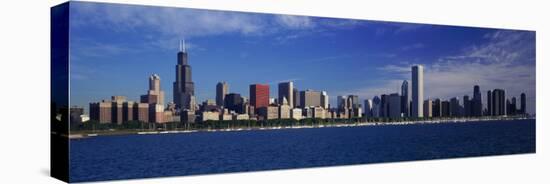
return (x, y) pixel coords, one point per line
(137, 156)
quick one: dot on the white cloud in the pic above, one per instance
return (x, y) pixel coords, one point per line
(166, 21)
(506, 61)
(295, 22)
(170, 24)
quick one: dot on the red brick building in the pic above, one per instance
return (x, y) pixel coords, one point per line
(259, 95)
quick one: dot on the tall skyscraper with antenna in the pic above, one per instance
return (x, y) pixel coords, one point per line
(184, 88)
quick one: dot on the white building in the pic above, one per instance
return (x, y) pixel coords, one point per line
(284, 109)
(207, 115)
(417, 91)
(296, 114)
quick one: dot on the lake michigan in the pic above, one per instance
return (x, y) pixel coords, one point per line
(144, 156)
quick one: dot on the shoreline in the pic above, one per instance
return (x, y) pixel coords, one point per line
(90, 134)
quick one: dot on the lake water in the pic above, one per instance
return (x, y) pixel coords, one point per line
(143, 156)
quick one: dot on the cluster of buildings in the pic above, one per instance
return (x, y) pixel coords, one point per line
(397, 105)
(150, 108)
(290, 103)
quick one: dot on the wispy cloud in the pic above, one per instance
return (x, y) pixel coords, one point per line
(505, 60)
(95, 49)
(294, 22)
(170, 24)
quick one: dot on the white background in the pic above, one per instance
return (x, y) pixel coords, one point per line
(24, 91)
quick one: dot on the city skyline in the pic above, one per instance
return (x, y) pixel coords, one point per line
(365, 71)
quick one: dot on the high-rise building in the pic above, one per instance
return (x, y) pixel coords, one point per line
(342, 102)
(353, 102)
(156, 113)
(454, 107)
(117, 109)
(489, 103)
(286, 90)
(259, 95)
(184, 88)
(324, 99)
(513, 107)
(376, 107)
(417, 90)
(368, 108)
(445, 109)
(436, 108)
(296, 96)
(405, 98)
(154, 95)
(466, 103)
(310, 98)
(522, 102)
(234, 102)
(477, 105)
(222, 88)
(498, 100)
(129, 111)
(284, 109)
(142, 110)
(384, 105)
(508, 105)
(394, 105)
(428, 108)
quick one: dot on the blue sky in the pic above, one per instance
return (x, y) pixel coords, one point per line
(114, 48)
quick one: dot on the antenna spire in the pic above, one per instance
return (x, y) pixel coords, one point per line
(183, 49)
(182, 45)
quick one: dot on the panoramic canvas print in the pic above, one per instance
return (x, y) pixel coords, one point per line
(145, 91)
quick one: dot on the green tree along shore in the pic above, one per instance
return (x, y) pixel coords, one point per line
(138, 126)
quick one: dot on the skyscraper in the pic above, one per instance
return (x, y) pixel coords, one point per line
(498, 102)
(296, 95)
(466, 103)
(489, 103)
(259, 95)
(154, 95)
(513, 107)
(417, 90)
(376, 107)
(184, 88)
(428, 107)
(286, 90)
(445, 108)
(221, 90)
(310, 98)
(477, 105)
(368, 107)
(234, 102)
(394, 105)
(436, 108)
(384, 105)
(324, 99)
(353, 101)
(342, 102)
(454, 107)
(522, 102)
(405, 98)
